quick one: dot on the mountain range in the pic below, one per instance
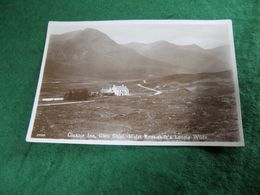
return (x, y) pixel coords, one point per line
(91, 53)
(188, 58)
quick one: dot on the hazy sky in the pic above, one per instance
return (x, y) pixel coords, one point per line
(204, 35)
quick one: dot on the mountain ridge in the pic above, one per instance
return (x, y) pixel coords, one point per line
(192, 58)
(93, 53)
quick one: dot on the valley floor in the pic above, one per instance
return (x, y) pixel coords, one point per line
(198, 110)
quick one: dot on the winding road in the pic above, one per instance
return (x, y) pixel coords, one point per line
(156, 91)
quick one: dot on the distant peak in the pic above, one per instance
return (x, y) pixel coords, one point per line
(76, 33)
(161, 42)
(195, 46)
(94, 34)
(91, 31)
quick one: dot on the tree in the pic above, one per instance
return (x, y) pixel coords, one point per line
(77, 95)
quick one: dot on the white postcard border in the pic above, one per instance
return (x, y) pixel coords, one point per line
(52, 24)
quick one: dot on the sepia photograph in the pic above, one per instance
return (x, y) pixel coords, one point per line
(138, 82)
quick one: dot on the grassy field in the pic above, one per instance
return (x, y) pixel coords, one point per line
(189, 108)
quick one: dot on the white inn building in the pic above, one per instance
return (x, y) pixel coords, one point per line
(120, 90)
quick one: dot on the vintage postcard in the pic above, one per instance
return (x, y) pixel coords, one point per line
(138, 82)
